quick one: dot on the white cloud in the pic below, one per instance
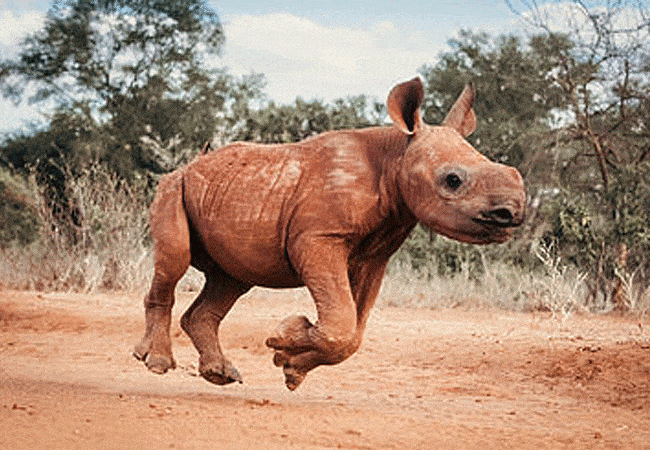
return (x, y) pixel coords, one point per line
(14, 118)
(298, 56)
(384, 27)
(15, 27)
(302, 58)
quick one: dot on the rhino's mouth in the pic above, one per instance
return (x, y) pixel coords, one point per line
(503, 217)
(494, 223)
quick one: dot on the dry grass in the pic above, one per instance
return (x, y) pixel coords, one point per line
(108, 250)
(556, 288)
(111, 251)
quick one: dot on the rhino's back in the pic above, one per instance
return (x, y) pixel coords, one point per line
(238, 200)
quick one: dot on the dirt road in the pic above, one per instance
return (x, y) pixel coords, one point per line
(422, 379)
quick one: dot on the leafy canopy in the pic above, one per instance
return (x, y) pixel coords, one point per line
(136, 74)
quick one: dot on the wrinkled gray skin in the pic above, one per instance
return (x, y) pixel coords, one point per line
(326, 213)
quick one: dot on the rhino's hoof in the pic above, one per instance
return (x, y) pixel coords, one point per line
(293, 378)
(275, 342)
(159, 364)
(280, 358)
(220, 374)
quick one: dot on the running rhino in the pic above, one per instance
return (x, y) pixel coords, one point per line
(326, 213)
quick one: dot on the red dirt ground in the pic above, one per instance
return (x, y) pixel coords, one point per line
(423, 379)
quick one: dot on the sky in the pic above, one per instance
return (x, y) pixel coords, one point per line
(310, 49)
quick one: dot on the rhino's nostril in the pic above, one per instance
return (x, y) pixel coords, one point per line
(501, 215)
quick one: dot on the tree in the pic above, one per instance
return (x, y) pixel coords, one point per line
(604, 142)
(514, 98)
(137, 73)
(291, 123)
(603, 74)
(133, 88)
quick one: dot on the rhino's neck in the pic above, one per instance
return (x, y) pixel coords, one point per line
(385, 146)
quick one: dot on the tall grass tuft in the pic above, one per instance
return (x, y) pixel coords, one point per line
(552, 287)
(106, 248)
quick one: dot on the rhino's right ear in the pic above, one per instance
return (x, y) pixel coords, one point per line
(404, 103)
(461, 117)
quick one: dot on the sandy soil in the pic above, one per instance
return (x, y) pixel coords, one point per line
(423, 379)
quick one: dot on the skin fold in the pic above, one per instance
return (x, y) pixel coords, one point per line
(326, 213)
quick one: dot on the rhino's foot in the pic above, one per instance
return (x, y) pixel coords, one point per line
(219, 372)
(294, 350)
(301, 346)
(293, 378)
(158, 363)
(292, 375)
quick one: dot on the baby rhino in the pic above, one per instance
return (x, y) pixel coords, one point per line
(326, 213)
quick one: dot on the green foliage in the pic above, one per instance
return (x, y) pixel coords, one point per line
(589, 232)
(513, 94)
(291, 123)
(573, 231)
(630, 195)
(117, 71)
(434, 256)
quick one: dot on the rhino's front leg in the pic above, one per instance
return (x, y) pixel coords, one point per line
(299, 345)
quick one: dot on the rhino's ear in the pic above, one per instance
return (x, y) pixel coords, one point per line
(404, 103)
(461, 116)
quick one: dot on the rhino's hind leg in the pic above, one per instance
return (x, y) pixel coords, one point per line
(201, 323)
(170, 232)
(155, 347)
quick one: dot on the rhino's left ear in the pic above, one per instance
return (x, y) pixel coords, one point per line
(404, 103)
(461, 117)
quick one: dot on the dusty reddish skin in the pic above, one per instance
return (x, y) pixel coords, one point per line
(326, 213)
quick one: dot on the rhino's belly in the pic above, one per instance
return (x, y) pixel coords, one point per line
(253, 257)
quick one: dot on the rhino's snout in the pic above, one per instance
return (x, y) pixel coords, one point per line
(503, 216)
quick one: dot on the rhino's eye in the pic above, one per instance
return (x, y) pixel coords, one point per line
(453, 181)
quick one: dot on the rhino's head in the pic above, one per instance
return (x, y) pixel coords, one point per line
(446, 183)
